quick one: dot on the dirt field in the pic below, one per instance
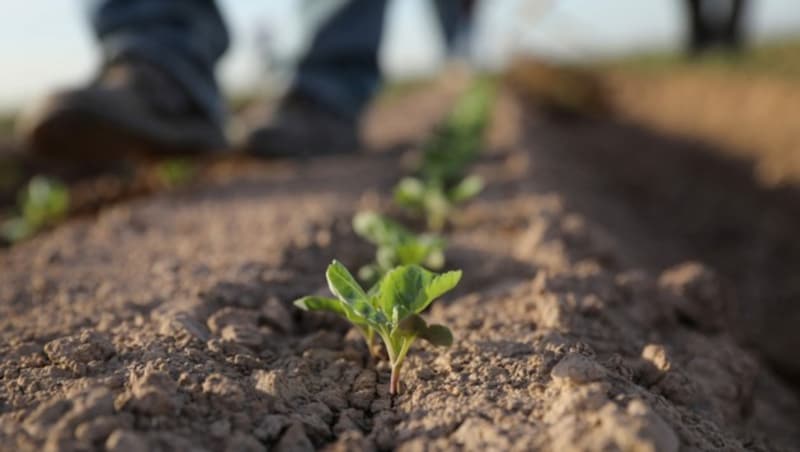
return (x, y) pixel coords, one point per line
(623, 290)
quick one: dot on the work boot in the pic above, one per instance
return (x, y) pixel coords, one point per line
(132, 108)
(302, 127)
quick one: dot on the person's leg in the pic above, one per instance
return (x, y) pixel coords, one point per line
(733, 33)
(334, 81)
(699, 32)
(451, 14)
(155, 91)
(340, 68)
(716, 23)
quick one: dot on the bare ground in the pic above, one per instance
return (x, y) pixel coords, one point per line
(619, 295)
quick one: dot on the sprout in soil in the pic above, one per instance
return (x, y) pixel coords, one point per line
(175, 172)
(42, 203)
(433, 200)
(395, 245)
(456, 142)
(391, 309)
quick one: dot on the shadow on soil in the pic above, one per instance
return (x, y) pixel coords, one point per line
(698, 203)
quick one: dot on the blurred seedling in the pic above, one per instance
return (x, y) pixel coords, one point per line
(395, 245)
(432, 200)
(456, 142)
(41, 204)
(390, 309)
(175, 172)
(442, 182)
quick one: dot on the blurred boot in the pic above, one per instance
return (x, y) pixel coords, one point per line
(303, 127)
(132, 108)
(335, 80)
(716, 24)
(157, 92)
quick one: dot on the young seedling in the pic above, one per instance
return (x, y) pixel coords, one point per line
(442, 182)
(395, 245)
(42, 203)
(390, 310)
(456, 142)
(175, 172)
(432, 200)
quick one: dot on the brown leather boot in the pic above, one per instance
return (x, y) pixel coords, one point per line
(301, 127)
(133, 108)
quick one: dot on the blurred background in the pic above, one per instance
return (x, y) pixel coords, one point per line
(733, 85)
(46, 45)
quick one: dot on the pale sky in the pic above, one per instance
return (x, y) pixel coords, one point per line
(46, 44)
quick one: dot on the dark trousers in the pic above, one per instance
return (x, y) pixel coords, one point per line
(186, 38)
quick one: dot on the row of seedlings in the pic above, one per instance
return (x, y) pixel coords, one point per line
(401, 281)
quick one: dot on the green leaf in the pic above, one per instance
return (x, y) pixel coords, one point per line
(412, 253)
(44, 202)
(425, 250)
(438, 286)
(437, 208)
(466, 189)
(176, 171)
(376, 228)
(410, 289)
(435, 259)
(380, 230)
(369, 274)
(409, 192)
(388, 310)
(15, 229)
(386, 257)
(401, 289)
(343, 285)
(374, 292)
(438, 335)
(355, 301)
(314, 303)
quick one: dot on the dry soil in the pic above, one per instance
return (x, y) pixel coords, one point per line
(616, 297)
